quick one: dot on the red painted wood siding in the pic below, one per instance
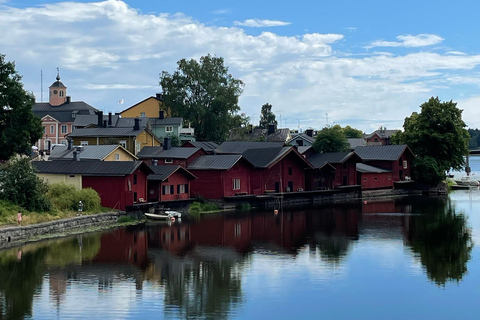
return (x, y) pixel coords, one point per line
(376, 180)
(175, 179)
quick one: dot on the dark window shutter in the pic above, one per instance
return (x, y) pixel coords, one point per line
(178, 189)
(163, 190)
(172, 189)
(186, 188)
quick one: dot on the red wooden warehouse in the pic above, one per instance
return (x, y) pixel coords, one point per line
(169, 183)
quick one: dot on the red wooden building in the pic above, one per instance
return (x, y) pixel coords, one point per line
(169, 183)
(395, 158)
(373, 178)
(344, 173)
(120, 184)
(276, 170)
(220, 176)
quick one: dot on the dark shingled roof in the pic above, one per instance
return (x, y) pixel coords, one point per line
(173, 121)
(356, 142)
(301, 136)
(57, 84)
(207, 146)
(264, 158)
(86, 120)
(365, 168)
(90, 168)
(389, 153)
(319, 159)
(172, 153)
(105, 132)
(161, 173)
(239, 147)
(87, 152)
(215, 162)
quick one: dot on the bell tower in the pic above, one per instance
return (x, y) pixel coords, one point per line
(57, 92)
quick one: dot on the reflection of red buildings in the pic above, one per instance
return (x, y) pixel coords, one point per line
(123, 246)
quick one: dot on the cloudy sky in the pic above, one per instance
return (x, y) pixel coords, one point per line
(364, 63)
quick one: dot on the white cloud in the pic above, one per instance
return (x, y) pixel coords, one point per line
(222, 11)
(420, 40)
(108, 51)
(257, 23)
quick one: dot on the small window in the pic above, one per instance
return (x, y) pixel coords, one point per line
(64, 142)
(290, 171)
(71, 176)
(117, 156)
(168, 161)
(44, 129)
(180, 188)
(84, 143)
(123, 143)
(142, 114)
(165, 190)
(236, 184)
(61, 93)
(135, 178)
(169, 129)
(52, 129)
(376, 179)
(389, 177)
(405, 164)
(364, 179)
(64, 128)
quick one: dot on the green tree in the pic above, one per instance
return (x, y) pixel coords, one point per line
(204, 94)
(438, 138)
(175, 140)
(19, 127)
(331, 139)
(267, 116)
(20, 185)
(352, 132)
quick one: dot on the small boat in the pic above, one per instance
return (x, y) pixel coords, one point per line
(163, 215)
(465, 181)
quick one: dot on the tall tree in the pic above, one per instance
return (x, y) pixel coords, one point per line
(19, 127)
(331, 139)
(267, 116)
(352, 132)
(204, 94)
(438, 138)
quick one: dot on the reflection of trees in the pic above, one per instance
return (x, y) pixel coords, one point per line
(442, 241)
(22, 270)
(333, 248)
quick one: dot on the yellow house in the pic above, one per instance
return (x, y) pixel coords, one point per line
(69, 179)
(149, 108)
(132, 139)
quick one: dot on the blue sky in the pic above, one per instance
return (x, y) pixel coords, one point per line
(361, 63)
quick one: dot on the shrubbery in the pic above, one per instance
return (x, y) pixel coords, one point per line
(197, 207)
(65, 198)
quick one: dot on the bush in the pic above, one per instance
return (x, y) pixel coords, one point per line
(197, 207)
(66, 197)
(244, 207)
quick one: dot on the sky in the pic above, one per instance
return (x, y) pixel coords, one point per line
(367, 64)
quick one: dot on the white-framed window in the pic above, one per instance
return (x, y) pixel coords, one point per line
(167, 189)
(168, 129)
(64, 142)
(60, 93)
(44, 129)
(142, 114)
(117, 156)
(123, 143)
(137, 147)
(181, 188)
(405, 164)
(168, 161)
(64, 128)
(236, 184)
(52, 129)
(84, 143)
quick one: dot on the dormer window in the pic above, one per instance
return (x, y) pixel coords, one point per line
(61, 93)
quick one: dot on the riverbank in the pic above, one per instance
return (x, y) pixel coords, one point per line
(16, 235)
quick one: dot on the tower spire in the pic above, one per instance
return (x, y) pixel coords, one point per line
(58, 74)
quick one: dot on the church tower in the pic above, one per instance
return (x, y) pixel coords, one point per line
(58, 92)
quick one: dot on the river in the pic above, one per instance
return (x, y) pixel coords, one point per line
(410, 258)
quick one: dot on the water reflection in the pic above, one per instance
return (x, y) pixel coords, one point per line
(198, 268)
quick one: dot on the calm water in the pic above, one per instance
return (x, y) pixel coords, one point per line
(409, 258)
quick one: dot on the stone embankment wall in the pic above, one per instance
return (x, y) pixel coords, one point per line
(12, 235)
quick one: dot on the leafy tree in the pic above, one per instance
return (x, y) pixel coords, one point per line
(111, 141)
(331, 139)
(352, 132)
(204, 94)
(175, 140)
(19, 127)
(20, 185)
(438, 138)
(267, 116)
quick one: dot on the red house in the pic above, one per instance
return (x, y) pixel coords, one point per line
(120, 184)
(373, 178)
(276, 170)
(345, 173)
(220, 176)
(395, 158)
(169, 183)
(166, 155)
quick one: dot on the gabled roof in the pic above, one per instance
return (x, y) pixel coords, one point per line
(365, 168)
(63, 113)
(356, 142)
(173, 121)
(382, 133)
(318, 159)
(90, 168)
(161, 173)
(86, 120)
(207, 146)
(215, 162)
(152, 97)
(302, 136)
(92, 152)
(239, 147)
(172, 153)
(104, 132)
(304, 149)
(265, 158)
(388, 153)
